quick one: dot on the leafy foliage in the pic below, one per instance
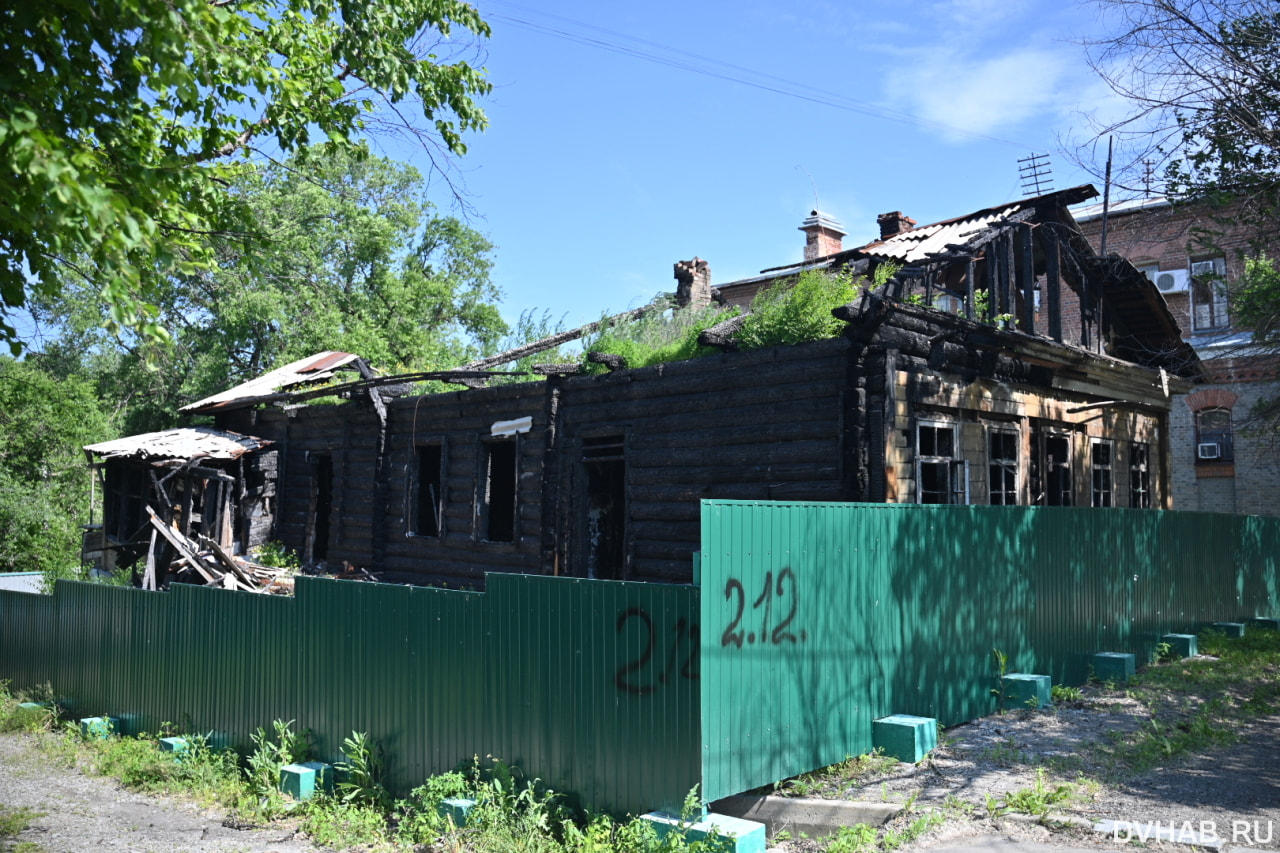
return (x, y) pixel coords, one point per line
(790, 313)
(44, 482)
(344, 253)
(123, 115)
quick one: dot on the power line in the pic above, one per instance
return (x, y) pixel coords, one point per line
(709, 67)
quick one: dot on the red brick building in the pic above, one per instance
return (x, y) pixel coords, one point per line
(1218, 464)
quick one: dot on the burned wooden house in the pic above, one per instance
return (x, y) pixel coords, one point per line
(1003, 363)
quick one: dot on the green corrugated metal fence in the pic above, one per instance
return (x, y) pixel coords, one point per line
(818, 618)
(589, 685)
(812, 620)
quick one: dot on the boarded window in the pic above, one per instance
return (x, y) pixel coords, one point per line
(1002, 466)
(498, 498)
(1140, 475)
(1102, 480)
(940, 475)
(428, 505)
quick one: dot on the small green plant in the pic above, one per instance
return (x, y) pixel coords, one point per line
(1163, 652)
(1062, 694)
(269, 757)
(1002, 669)
(858, 838)
(1037, 800)
(277, 555)
(360, 774)
(12, 823)
(661, 335)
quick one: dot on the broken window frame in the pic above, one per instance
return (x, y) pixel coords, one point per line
(1102, 480)
(1002, 470)
(416, 509)
(940, 462)
(504, 512)
(1046, 465)
(1139, 475)
(603, 455)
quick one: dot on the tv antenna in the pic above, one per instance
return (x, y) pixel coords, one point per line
(1036, 174)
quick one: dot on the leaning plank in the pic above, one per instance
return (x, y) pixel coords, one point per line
(225, 559)
(181, 544)
(149, 578)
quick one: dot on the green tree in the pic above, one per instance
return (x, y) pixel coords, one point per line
(1203, 79)
(44, 478)
(344, 253)
(123, 118)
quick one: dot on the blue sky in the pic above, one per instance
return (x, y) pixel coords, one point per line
(601, 169)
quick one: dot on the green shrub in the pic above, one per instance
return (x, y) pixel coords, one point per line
(663, 334)
(793, 313)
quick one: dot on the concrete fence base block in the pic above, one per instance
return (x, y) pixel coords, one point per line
(805, 815)
(905, 737)
(1024, 690)
(747, 836)
(1231, 629)
(1182, 645)
(1266, 622)
(99, 728)
(1113, 666)
(456, 809)
(176, 746)
(301, 781)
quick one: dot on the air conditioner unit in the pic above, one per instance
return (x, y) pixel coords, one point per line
(1208, 269)
(1173, 281)
(1209, 450)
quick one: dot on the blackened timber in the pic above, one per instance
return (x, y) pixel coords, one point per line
(970, 270)
(550, 499)
(1004, 248)
(1027, 279)
(1053, 284)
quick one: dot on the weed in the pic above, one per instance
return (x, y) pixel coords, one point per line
(661, 335)
(1062, 694)
(12, 823)
(360, 774)
(1002, 669)
(1037, 800)
(277, 555)
(858, 838)
(269, 757)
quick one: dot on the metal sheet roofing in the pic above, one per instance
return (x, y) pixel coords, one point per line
(183, 443)
(314, 368)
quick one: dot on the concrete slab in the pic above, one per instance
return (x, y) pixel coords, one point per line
(814, 817)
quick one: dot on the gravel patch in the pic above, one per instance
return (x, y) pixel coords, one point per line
(82, 812)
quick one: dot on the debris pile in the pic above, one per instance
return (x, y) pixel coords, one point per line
(205, 558)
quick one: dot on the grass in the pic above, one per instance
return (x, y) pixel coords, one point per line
(12, 823)
(836, 780)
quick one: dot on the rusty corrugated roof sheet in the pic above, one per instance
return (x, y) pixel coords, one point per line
(313, 368)
(183, 443)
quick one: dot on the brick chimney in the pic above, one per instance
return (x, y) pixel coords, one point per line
(893, 224)
(693, 283)
(822, 236)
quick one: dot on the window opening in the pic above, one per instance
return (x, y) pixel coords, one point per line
(1102, 480)
(940, 476)
(1055, 468)
(429, 503)
(1140, 475)
(1208, 294)
(498, 506)
(604, 466)
(1213, 436)
(1002, 455)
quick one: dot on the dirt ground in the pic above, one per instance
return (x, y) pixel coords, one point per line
(986, 758)
(90, 813)
(1233, 788)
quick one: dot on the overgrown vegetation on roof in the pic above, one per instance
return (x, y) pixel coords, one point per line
(662, 335)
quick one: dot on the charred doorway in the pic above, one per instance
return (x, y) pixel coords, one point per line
(604, 517)
(321, 507)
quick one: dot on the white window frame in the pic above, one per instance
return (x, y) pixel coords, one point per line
(956, 468)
